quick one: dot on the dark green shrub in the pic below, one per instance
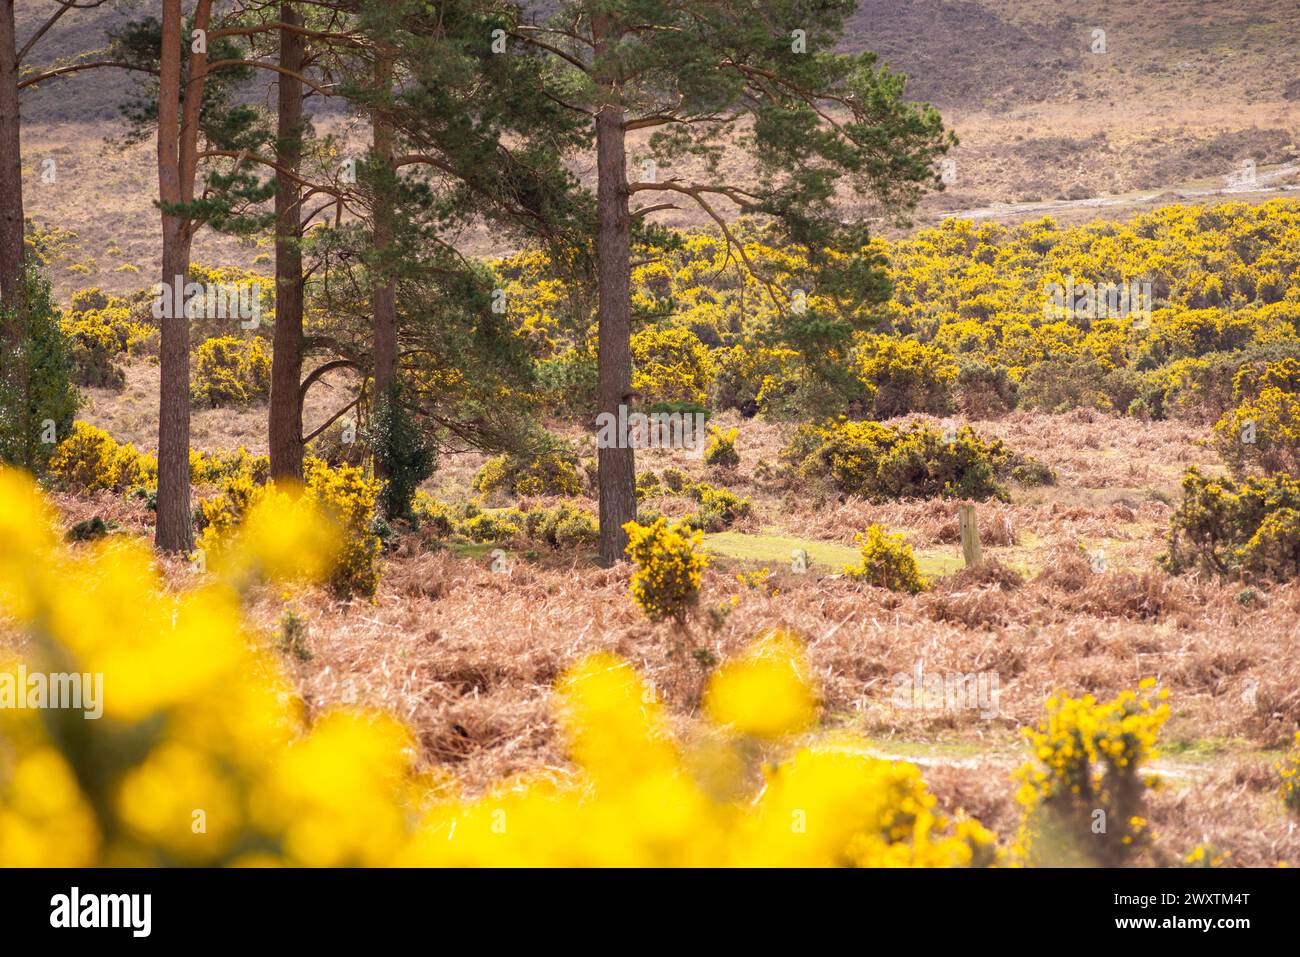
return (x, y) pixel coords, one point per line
(984, 390)
(403, 456)
(37, 396)
(1059, 385)
(88, 530)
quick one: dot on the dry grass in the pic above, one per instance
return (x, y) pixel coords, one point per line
(468, 657)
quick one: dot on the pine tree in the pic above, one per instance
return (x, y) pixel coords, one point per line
(751, 80)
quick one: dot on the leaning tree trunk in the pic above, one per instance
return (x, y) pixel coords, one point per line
(384, 294)
(285, 425)
(11, 170)
(616, 464)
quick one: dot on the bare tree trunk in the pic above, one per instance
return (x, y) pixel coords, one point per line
(177, 167)
(285, 425)
(384, 295)
(616, 464)
(11, 169)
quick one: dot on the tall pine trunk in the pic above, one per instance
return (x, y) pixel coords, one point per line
(173, 531)
(616, 465)
(178, 131)
(11, 169)
(285, 415)
(384, 293)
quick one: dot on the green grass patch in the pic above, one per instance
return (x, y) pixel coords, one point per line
(825, 558)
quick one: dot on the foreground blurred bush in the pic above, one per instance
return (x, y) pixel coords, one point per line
(202, 755)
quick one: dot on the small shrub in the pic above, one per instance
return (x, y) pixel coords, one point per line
(293, 635)
(99, 334)
(553, 472)
(721, 451)
(669, 563)
(36, 376)
(1263, 433)
(674, 479)
(720, 508)
(217, 517)
(341, 497)
(90, 460)
(402, 454)
(1031, 472)
(883, 462)
(562, 526)
(1083, 793)
(1274, 550)
(432, 514)
(86, 299)
(215, 468)
(88, 530)
(1059, 385)
(983, 389)
(490, 527)
(647, 483)
(887, 562)
(348, 497)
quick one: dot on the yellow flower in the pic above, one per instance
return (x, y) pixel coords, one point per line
(766, 692)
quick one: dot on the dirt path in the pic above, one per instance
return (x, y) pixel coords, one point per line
(1264, 181)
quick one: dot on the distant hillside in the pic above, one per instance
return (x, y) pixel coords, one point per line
(1185, 92)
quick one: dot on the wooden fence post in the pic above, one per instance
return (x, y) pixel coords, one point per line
(970, 535)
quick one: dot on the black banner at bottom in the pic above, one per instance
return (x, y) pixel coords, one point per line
(334, 907)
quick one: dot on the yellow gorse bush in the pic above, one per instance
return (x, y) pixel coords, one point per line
(203, 757)
(337, 507)
(90, 459)
(1214, 285)
(887, 562)
(721, 450)
(1082, 795)
(765, 692)
(669, 562)
(1263, 432)
(231, 371)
